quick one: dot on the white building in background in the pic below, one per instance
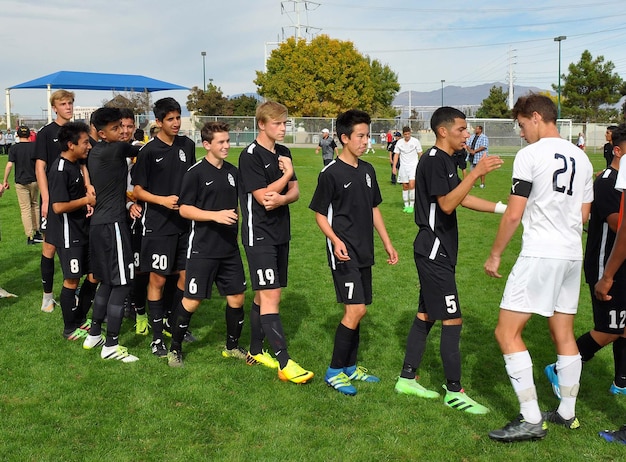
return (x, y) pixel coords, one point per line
(84, 112)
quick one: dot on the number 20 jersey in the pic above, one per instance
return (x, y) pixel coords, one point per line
(561, 180)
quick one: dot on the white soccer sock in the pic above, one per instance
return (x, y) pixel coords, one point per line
(568, 370)
(405, 197)
(412, 197)
(519, 367)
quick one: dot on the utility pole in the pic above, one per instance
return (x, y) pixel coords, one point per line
(511, 78)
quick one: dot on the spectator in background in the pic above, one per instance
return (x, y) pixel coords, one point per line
(2, 143)
(581, 141)
(328, 146)
(608, 147)
(477, 146)
(9, 140)
(22, 155)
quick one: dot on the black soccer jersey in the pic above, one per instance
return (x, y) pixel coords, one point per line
(600, 238)
(438, 235)
(258, 168)
(66, 183)
(23, 157)
(159, 170)
(346, 196)
(47, 147)
(209, 188)
(108, 171)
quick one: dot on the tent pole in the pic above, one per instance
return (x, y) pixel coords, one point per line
(49, 105)
(8, 105)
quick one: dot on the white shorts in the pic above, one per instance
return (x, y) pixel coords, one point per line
(406, 173)
(543, 286)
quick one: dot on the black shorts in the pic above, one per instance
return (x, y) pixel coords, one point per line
(74, 261)
(610, 316)
(227, 273)
(439, 297)
(353, 286)
(111, 258)
(268, 266)
(163, 255)
(136, 232)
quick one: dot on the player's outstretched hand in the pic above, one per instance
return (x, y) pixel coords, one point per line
(491, 267)
(226, 217)
(171, 202)
(488, 164)
(602, 288)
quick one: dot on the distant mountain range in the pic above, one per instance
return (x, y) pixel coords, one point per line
(457, 96)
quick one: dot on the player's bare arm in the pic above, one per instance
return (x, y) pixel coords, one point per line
(508, 225)
(170, 202)
(451, 201)
(339, 248)
(379, 225)
(615, 261)
(223, 217)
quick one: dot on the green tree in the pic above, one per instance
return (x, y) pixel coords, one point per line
(324, 77)
(590, 88)
(242, 105)
(495, 106)
(209, 102)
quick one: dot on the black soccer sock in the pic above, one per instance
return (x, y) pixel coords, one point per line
(100, 302)
(169, 289)
(354, 348)
(115, 314)
(451, 355)
(177, 299)
(234, 325)
(587, 346)
(139, 292)
(415, 347)
(619, 357)
(342, 347)
(156, 318)
(180, 322)
(256, 330)
(86, 297)
(47, 273)
(68, 309)
(273, 328)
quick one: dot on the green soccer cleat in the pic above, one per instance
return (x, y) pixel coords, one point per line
(142, 327)
(411, 387)
(239, 353)
(460, 401)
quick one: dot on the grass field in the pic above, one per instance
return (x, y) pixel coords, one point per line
(59, 402)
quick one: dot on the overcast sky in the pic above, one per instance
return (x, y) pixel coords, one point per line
(465, 43)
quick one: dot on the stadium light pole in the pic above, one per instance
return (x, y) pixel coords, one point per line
(442, 82)
(559, 39)
(203, 53)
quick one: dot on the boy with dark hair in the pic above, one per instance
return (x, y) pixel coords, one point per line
(157, 177)
(268, 185)
(22, 155)
(208, 198)
(109, 237)
(439, 193)
(73, 204)
(551, 196)
(47, 150)
(345, 203)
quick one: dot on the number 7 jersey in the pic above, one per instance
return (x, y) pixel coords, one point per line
(557, 179)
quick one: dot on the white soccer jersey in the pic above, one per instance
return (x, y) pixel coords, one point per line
(562, 180)
(408, 151)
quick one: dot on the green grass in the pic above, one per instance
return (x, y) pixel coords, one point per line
(59, 402)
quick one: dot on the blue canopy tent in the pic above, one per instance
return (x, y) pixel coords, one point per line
(70, 80)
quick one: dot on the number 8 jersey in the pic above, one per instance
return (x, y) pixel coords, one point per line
(557, 178)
